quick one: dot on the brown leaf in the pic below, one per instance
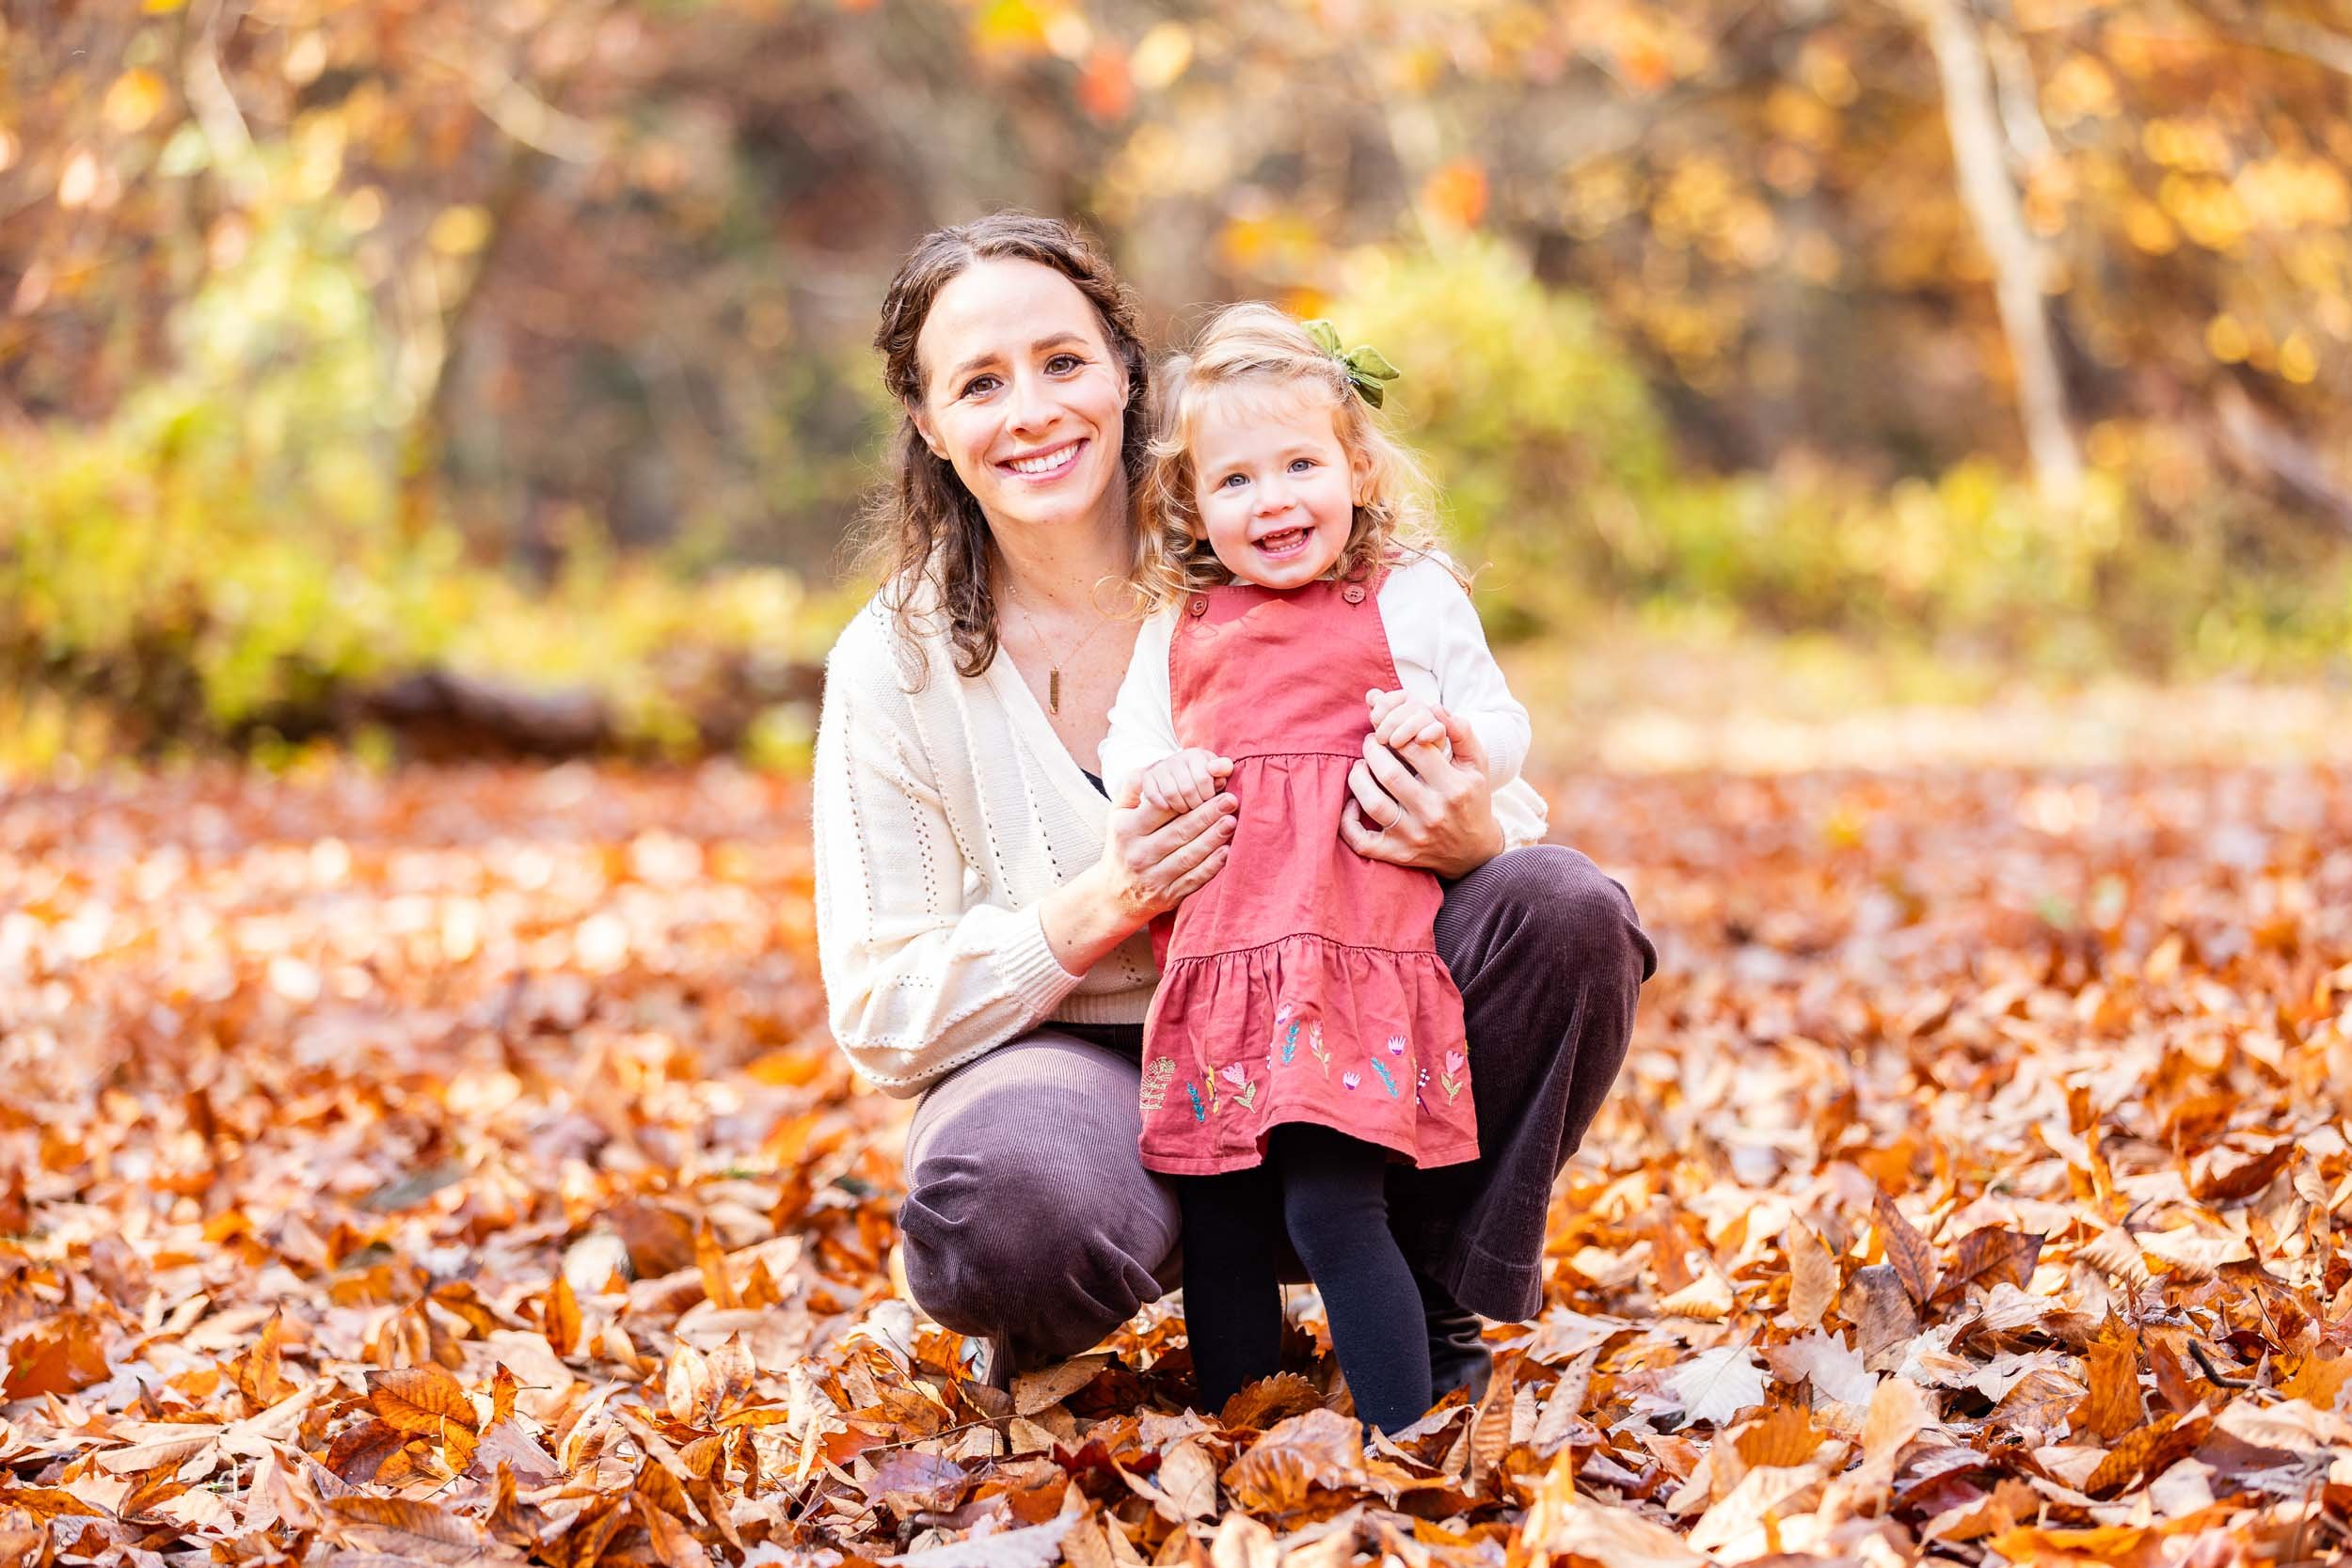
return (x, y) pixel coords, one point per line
(1321, 1447)
(660, 1241)
(1907, 1251)
(360, 1450)
(672, 1546)
(1991, 1257)
(1812, 1277)
(1490, 1429)
(512, 1520)
(1269, 1400)
(1883, 1317)
(1187, 1479)
(2172, 1380)
(404, 1525)
(2146, 1452)
(2239, 1167)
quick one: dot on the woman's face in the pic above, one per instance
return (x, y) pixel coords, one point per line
(1023, 396)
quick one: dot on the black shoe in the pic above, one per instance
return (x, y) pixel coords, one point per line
(1458, 1358)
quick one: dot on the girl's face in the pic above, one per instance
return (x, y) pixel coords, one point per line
(1275, 486)
(1024, 397)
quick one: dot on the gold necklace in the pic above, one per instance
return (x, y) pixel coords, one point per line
(1053, 665)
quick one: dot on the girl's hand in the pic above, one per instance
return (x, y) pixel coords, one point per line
(1421, 808)
(1399, 720)
(1185, 780)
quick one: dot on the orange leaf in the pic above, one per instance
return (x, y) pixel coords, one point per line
(713, 1264)
(2112, 1405)
(1269, 1400)
(1784, 1435)
(423, 1401)
(560, 1314)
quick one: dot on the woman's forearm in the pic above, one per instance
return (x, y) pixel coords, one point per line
(1085, 919)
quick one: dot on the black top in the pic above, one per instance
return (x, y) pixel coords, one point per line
(1096, 779)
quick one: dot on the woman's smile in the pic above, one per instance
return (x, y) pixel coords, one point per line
(1043, 468)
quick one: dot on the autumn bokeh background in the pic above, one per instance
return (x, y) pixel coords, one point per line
(371, 368)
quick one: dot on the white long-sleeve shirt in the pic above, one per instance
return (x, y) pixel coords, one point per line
(1441, 658)
(942, 817)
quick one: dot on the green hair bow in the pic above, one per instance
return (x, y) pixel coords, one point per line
(1366, 365)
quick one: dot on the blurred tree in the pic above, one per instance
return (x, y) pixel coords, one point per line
(625, 253)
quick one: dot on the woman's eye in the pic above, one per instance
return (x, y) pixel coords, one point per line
(979, 385)
(1062, 364)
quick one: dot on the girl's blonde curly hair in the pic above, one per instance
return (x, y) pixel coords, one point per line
(1257, 347)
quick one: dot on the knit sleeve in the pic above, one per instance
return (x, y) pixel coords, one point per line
(1427, 610)
(919, 980)
(1143, 718)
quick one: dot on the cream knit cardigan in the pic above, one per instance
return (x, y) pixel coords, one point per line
(942, 817)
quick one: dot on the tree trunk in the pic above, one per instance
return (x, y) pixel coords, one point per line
(1998, 217)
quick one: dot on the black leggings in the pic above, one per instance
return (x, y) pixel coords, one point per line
(1328, 1191)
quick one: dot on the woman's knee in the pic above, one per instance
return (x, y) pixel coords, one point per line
(1545, 903)
(1023, 1217)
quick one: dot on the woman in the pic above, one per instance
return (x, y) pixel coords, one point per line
(981, 906)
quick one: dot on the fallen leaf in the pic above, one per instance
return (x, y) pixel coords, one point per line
(1717, 1384)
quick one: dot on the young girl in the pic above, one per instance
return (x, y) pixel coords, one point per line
(1304, 1033)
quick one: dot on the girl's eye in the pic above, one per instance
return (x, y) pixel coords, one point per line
(1298, 463)
(1229, 481)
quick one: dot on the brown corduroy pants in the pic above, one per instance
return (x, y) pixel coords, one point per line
(1029, 1215)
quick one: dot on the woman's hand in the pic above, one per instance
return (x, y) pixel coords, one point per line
(1421, 808)
(1153, 860)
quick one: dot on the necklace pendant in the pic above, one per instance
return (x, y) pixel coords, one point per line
(1053, 691)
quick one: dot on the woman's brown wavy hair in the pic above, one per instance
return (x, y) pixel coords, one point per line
(924, 526)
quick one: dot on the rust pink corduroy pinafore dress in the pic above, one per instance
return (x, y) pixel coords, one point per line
(1301, 984)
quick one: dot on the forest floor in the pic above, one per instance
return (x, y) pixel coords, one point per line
(451, 1166)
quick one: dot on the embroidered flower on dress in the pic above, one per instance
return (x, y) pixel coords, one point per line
(1155, 1081)
(1396, 1045)
(1388, 1079)
(1451, 1080)
(1315, 1047)
(1199, 1111)
(1351, 1080)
